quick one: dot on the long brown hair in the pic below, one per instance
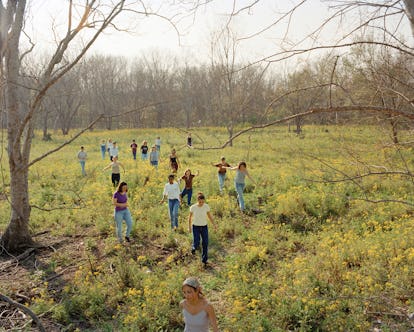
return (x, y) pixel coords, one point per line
(120, 185)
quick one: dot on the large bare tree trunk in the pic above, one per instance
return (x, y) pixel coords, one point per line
(16, 235)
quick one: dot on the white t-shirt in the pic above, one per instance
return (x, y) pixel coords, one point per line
(199, 214)
(172, 191)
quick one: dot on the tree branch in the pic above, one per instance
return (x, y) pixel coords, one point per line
(23, 308)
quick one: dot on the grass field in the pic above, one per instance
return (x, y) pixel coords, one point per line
(325, 245)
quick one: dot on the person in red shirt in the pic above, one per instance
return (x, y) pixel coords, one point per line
(188, 187)
(222, 172)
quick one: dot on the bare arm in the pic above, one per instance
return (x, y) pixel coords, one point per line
(105, 168)
(190, 220)
(121, 166)
(251, 179)
(164, 197)
(212, 318)
(210, 217)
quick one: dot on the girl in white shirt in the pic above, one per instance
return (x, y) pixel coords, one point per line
(197, 223)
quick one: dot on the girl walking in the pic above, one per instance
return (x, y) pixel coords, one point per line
(197, 223)
(174, 161)
(197, 311)
(120, 201)
(116, 172)
(239, 182)
(144, 150)
(172, 192)
(154, 157)
(222, 172)
(103, 148)
(82, 156)
(188, 187)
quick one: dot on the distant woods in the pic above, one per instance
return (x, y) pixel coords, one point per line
(158, 92)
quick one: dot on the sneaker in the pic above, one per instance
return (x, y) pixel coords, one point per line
(193, 251)
(127, 239)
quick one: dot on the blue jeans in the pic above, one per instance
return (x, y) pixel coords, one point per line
(201, 231)
(82, 163)
(144, 156)
(189, 193)
(240, 198)
(103, 150)
(134, 154)
(221, 178)
(119, 217)
(173, 205)
(154, 163)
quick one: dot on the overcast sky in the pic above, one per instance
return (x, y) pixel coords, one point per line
(153, 33)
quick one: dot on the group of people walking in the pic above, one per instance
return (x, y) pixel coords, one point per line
(111, 148)
(197, 311)
(199, 213)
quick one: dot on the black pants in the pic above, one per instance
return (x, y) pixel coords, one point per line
(116, 177)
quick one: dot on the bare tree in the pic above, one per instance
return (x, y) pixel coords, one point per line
(235, 86)
(92, 16)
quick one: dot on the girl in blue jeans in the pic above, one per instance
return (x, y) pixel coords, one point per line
(172, 192)
(197, 224)
(188, 187)
(120, 201)
(239, 182)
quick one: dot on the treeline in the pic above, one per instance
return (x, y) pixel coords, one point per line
(157, 91)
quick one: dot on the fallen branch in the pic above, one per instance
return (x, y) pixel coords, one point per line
(16, 260)
(23, 308)
(317, 110)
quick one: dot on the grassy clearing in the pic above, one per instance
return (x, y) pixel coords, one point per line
(319, 256)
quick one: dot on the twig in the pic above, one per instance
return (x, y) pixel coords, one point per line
(24, 309)
(15, 260)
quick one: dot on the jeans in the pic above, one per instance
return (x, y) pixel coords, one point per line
(134, 154)
(82, 163)
(103, 150)
(154, 163)
(240, 198)
(119, 217)
(221, 178)
(189, 193)
(173, 205)
(201, 231)
(144, 156)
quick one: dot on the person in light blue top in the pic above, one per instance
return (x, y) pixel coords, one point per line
(158, 144)
(82, 155)
(103, 148)
(197, 311)
(114, 151)
(239, 181)
(154, 157)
